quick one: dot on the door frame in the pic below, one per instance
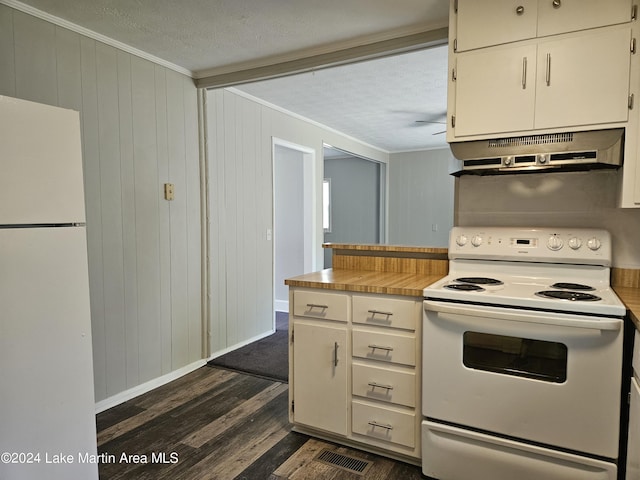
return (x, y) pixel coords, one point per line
(312, 194)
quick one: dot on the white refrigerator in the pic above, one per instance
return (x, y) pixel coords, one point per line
(47, 406)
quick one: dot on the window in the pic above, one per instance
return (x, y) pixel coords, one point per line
(521, 357)
(326, 204)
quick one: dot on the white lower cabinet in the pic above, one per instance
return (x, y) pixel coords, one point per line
(355, 377)
(320, 377)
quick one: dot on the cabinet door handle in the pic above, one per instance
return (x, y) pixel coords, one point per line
(548, 73)
(316, 305)
(335, 354)
(378, 347)
(379, 312)
(374, 385)
(524, 73)
(375, 424)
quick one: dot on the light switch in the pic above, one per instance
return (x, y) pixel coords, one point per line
(168, 191)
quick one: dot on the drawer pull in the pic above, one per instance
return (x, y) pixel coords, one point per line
(378, 347)
(335, 354)
(375, 385)
(379, 312)
(375, 424)
(315, 305)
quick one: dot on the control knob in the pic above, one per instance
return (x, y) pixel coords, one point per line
(555, 243)
(594, 243)
(461, 240)
(575, 243)
(476, 241)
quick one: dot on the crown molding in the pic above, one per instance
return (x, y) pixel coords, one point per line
(302, 118)
(94, 35)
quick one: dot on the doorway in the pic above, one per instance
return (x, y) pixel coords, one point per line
(355, 187)
(294, 199)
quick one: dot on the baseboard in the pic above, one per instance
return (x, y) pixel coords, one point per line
(138, 390)
(281, 305)
(219, 353)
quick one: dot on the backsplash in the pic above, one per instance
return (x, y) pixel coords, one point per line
(567, 199)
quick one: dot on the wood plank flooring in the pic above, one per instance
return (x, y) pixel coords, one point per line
(219, 424)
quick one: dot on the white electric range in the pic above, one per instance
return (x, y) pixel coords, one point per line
(522, 357)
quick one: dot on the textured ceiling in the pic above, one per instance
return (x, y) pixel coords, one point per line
(377, 101)
(200, 35)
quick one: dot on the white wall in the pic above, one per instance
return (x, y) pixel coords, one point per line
(139, 130)
(240, 132)
(421, 195)
(289, 220)
(569, 199)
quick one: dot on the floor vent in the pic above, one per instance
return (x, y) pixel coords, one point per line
(345, 462)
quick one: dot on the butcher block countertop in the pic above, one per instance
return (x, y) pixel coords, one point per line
(626, 283)
(381, 247)
(379, 269)
(630, 296)
(389, 283)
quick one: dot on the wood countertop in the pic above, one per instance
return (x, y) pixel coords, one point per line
(388, 283)
(380, 247)
(630, 296)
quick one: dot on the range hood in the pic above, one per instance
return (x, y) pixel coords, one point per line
(538, 153)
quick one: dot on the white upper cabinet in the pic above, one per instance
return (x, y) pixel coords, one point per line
(584, 79)
(560, 16)
(483, 24)
(560, 82)
(495, 90)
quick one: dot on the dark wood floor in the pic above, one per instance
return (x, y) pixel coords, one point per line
(219, 424)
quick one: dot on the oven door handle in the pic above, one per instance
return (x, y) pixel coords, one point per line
(546, 318)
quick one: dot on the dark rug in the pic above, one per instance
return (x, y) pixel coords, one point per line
(268, 357)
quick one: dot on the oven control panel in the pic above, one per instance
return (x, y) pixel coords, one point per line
(562, 245)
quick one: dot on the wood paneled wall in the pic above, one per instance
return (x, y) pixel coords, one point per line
(139, 130)
(240, 133)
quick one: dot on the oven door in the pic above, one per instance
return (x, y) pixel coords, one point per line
(551, 379)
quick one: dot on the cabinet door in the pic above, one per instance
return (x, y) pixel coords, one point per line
(495, 90)
(320, 377)
(481, 24)
(584, 79)
(573, 15)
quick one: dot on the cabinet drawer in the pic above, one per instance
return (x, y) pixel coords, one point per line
(388, 312)
(327, 306)
(385, 385)
(385, 347)
(384, 424)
